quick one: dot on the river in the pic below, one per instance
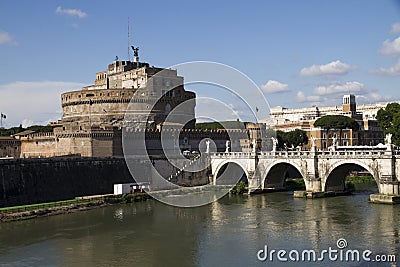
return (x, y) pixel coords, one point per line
(229, 232)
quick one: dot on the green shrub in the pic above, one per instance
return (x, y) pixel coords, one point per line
(239, 188)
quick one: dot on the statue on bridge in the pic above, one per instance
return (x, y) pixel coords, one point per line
(227, 144)
(334, 141)
(254, 145)
(313, 145)
(388, 139)
(274, 143)
(208, 146)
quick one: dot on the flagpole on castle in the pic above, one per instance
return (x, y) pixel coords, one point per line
(2, 116)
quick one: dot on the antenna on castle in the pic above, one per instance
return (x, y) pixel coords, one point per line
(129, 42)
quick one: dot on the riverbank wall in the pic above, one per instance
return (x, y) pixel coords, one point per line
(29, 181)
(39, 180)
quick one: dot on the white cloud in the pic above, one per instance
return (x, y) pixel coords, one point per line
(211, 109)
(275, 87)
(372, 98)
(5, 38)
(395, 28)
(392, 71)
(33, 102)
(333, 68)
(71, 12)
(300, 97)
(27, 122)
(391, 48)
(339, 88)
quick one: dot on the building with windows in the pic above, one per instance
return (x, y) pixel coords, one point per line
(303, 118)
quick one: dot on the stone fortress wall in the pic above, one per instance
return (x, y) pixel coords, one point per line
(108, 142)
(9, 147)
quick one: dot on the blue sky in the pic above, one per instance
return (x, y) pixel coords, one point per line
(300, 53)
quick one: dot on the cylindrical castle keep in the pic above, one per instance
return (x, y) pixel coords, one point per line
(145, 90)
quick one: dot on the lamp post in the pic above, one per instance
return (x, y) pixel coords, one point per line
(90, 127)
(90, 95)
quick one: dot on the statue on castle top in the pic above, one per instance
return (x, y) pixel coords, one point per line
(135, 51)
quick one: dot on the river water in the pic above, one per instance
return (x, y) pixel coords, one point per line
(229, 232)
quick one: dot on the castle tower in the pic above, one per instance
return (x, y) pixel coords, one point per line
(349, 104)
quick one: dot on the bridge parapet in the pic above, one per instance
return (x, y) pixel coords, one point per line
(354, 153)
(286, 154)
(308, 154)
(233, 155)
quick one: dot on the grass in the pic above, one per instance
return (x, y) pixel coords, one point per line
(221, 125)
(295, 184)
(353, 182)
(25, 212)
(43, 205)
(128, 198)
(360, 179)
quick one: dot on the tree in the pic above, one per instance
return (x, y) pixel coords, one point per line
(337, 122)
(292, 139)
(389, 120)
(15, 130)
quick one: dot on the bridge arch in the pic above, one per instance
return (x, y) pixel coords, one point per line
(275, 174)
(337, 173)
(227, 173)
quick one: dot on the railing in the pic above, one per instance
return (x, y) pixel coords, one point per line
(173, 177)
(233, 154)
(299, 154)
(47, 155)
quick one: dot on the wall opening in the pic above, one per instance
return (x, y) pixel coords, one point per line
(351, 177)
(284, 176)
(231, 173)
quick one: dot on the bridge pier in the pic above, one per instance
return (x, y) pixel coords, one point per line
(313, 184)
(389, 193)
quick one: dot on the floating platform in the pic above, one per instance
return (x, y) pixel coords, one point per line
(384, 199)
(310, 194)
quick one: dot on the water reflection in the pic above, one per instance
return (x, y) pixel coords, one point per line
(228, 232)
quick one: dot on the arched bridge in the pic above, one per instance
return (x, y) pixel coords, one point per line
(322, 171)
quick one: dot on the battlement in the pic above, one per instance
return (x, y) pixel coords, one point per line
(124, 66)
(97, 96)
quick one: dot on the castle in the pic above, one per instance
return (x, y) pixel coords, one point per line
(93, 117)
